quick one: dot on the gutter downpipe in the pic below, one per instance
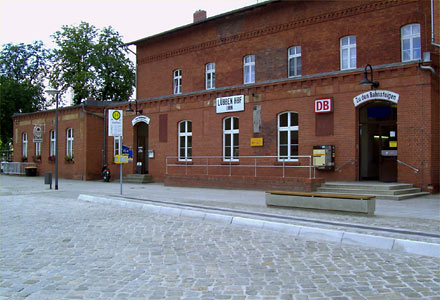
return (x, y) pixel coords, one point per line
(432, 26)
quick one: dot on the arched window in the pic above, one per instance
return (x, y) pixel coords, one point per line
(249, 69)
(288, 136)
(52, 144)
(24, 139)
(294, 57)
(69, 140)
(410, 36)
(348, 52)
(177, 81)
(210, 76)
(185, 140)
(231, 139)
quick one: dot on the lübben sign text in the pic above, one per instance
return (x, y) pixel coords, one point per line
(376, 95)
(229, 104)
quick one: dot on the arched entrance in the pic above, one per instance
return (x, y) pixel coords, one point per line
(378, 141)
(142, 148)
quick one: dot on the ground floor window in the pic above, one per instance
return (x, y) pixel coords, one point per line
(37, 149)
(69, 146)
(24, 152)
(52, 143)
(231, 139)
(288, 136)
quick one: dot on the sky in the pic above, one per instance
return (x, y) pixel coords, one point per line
(25, 21)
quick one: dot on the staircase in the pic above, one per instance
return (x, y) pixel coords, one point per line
(383, 191)
(137, 178)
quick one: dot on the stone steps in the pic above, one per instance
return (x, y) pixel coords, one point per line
(384, 191)
(137, 178)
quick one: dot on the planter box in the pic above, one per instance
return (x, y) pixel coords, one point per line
(334, 202)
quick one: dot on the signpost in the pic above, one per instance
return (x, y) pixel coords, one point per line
(115, 129)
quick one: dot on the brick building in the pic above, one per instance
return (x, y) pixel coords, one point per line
(242, 99)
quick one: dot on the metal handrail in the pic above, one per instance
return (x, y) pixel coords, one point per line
(235, 163)
(15, 168)
(409, 166)
(352, 161)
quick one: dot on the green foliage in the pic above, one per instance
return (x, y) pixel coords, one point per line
(17, 97)
(92, 63)
(22, 71)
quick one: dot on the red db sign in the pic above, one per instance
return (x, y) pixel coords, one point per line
(323, 105)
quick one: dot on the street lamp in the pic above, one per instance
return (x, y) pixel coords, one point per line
(55, 93)
(366, 81)
(129, 109)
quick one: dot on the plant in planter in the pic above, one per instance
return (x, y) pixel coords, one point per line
(51, 158)
(24, 158)
(68, 159)
(36, 158)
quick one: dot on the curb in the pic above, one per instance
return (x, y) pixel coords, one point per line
(296, 231)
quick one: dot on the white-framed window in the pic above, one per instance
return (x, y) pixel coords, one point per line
(410, 37)
(288, 136)
(177, 81)
(24, 139)
(52, 145)
(210, 76)
(231, 139)
(294, 57)
(249, 69)
(185, 140)
(69, 144)
(37, 148)
(116, 145)
(348, 52)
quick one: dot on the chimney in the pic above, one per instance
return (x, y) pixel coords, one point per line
(199, 15)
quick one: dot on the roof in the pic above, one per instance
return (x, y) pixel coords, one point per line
(232, 12)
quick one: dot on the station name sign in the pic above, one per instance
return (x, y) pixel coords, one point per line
(229, 104)
(375, 95)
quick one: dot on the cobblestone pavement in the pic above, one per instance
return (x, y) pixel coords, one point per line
(55, 247)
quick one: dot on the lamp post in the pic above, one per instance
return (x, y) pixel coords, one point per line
(55, 93)
(129, 109)
(366, 81)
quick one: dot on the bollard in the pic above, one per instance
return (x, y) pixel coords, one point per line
(48, 179)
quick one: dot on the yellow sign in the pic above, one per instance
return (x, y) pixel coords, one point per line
(121, 159)
(256, 142)
(116, 115)
(319, 157)
(393, 144)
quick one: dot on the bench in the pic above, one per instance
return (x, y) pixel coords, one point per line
(324, 201)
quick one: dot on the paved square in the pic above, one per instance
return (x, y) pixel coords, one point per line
(54, 247)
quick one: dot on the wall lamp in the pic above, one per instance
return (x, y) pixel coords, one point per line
(366, 81)
(130, 109)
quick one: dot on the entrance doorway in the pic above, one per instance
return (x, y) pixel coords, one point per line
(378, 141)
(142, 148)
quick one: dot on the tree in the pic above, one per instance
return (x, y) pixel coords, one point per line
(92, 63)
(22, 72)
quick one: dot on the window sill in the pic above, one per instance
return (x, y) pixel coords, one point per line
(232, 163)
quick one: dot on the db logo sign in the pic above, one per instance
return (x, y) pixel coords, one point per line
(323, 105)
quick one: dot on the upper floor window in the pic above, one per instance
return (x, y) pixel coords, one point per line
(177, 81)
(185, 140)
(294, 57)
(411, 49)
(210, 76)
(249, 69)
(231, 139)
(69, 140)
(288, 136)
(52, 144)
(348, 52)
(24, 139)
